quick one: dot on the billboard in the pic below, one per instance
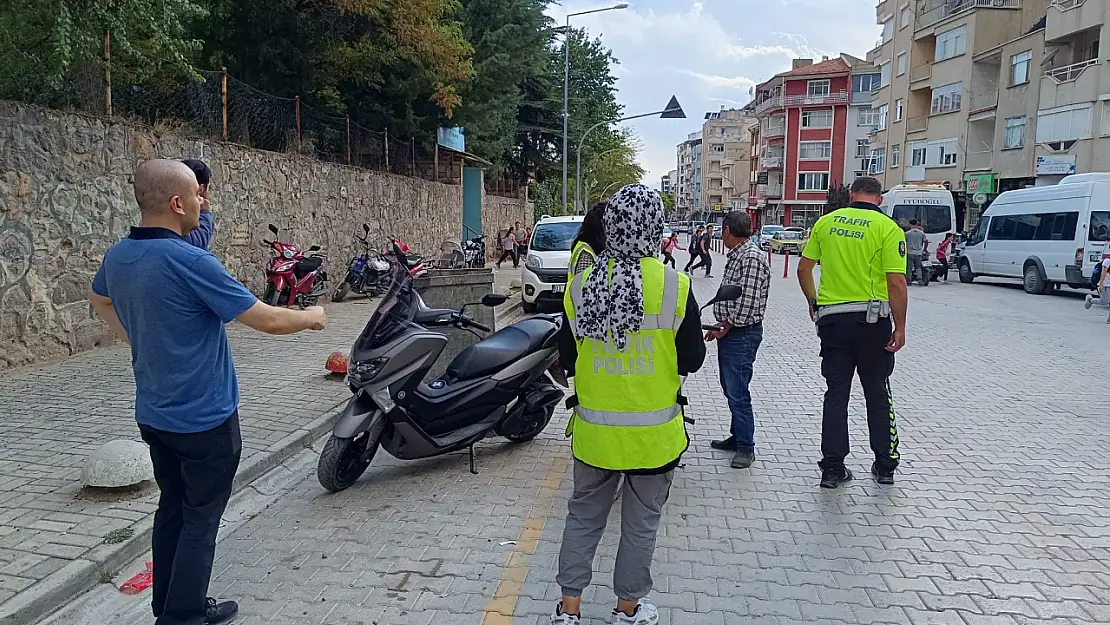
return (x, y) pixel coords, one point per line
(452, 138)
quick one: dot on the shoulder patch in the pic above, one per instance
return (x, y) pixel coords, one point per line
(902, 249)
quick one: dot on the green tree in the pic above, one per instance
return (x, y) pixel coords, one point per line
(668, 202)
(837, 197)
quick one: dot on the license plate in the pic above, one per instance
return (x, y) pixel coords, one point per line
(558, 288)
(1096, 257)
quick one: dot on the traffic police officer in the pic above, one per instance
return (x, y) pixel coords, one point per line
(632, 331)
(589, 242)
(862, 253)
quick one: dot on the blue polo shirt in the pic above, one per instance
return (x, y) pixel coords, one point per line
(173, 300)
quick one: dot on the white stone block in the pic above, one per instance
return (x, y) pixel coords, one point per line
(118, 463)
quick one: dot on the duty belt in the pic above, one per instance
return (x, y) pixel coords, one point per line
(851, 307)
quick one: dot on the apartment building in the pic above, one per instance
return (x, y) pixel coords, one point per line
(1073, 115)
(955, 95)
(725, 149)
(665, 184)
(803, 138)
(688, 189)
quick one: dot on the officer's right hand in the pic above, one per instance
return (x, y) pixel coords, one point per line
(897, 340)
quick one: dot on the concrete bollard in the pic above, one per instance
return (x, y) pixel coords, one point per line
(118, 464)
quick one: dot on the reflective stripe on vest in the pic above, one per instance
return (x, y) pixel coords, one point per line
(628, 419)
(668, 319)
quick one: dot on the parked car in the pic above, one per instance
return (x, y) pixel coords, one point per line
(792, 241)
(764, 236)
(545, 267)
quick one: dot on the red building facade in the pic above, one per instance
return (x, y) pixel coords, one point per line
(803, 117)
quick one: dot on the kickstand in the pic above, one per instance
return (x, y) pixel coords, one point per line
(473, 467)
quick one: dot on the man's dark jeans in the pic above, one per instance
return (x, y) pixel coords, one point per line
(736, 353)
(704, 260)
(194, 472)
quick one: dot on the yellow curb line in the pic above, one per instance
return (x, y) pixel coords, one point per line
(499, 609)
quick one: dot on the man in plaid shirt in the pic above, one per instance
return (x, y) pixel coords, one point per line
(740, 331)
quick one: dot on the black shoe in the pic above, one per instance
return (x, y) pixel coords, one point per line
(743, 459)
(886, 478)
(833, 479)
(708, 275)
(222, 612)
(727, 444)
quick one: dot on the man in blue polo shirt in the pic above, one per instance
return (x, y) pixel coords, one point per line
(170, 300)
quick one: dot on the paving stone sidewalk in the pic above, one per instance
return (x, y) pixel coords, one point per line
(52, 534)
(1001, 514)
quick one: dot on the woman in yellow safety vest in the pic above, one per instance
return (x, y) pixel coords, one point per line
(589, 243)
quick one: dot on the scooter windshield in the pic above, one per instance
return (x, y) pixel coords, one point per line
(397, 309)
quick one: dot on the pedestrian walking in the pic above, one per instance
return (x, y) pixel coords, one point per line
(170, 300)
(670, 244)
(704, 258)
(695, 248)
(1101, 295)
(862, 253)
(508, 247)
(916, 243)
(740, 332)
(589, 242)
(521, 235)
(943, 249)
(202, 235)
(640, 321)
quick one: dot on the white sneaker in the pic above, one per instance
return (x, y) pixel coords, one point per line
(646, 614)
(564, 619)
(1088, 301)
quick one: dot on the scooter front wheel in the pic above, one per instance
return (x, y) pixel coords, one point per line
(341, 292)
(344, 460)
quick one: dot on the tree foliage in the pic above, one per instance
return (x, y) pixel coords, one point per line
(837, 197)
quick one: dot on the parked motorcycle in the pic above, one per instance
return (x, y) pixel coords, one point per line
(474, 252)
(416, 264)
(367, 274)
(293, 277)
(497, 385)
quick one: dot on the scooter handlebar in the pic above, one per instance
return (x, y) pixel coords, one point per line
(466, 320)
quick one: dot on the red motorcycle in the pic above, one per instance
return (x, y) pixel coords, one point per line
(416, 264)
(292, 277)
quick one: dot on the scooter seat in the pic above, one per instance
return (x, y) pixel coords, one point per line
(307, 265)
(501, 348)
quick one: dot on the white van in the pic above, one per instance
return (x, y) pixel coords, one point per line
(544, 277)
(1046, 236)
(929, 203)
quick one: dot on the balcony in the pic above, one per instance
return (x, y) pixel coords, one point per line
(1071, 84)
(777, 130)
(1071, 16)
(768, 104)
(770, 190)
(921, 72)
(815, 100)
(917, 124)
(771, 162)
(884, 9)
(980, 103)
(1070, 73)
(861, 97)
(982, 160)
(948, 8)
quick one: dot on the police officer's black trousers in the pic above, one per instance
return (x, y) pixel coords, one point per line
(849, 346)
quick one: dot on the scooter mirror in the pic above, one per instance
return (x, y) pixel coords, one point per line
(366, 228)
(727, 293)
(314, 248)
(273, 228)
(494, 299)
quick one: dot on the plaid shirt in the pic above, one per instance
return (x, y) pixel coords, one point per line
(747, 267)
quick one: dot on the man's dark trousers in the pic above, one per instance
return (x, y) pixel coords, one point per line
(736, 353)
(704, 260)
(194, 473)
(849, 345)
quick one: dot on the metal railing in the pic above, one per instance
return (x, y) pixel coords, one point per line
(921, 72)
(917, 124)
(1066, 5)
(840, 97)
(769, 103)
(979, 102)
(982, 159)
(1069, 73)
(951, 7)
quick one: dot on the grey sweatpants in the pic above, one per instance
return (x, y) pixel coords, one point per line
(595, 490)
(915, 263)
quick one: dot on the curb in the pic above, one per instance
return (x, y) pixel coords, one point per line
(81, 575)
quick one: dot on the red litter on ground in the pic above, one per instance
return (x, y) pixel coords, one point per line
(139, 582)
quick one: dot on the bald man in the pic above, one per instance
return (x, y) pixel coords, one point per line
(170, 300)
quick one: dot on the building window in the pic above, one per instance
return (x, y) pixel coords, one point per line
(884, 74)
(881, 118)
(878, 161)
(895, 156)
(951, 43)
(900, 66)
(1105, 130)
(941, 153)
(1019, 68)
(813, 182)
(865, 83)
(947, 98)
(917, 154)
(817, 88)
(717, 147)
(866, 117)
(1064, 123)
(1015, 132)
(905, 17)
(888, 30)
(898, 110)
(817, 119)
(863, 146)
(814, 150)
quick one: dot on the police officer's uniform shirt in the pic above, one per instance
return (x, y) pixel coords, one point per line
(856, 247)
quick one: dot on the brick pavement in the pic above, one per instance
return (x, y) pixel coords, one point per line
(54, 415)
(1000, 514)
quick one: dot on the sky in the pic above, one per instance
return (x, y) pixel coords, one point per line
(709, 53)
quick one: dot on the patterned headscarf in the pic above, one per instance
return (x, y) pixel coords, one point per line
(613, 304)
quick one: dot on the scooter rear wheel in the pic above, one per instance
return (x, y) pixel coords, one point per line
(531, 426)
(344, 460)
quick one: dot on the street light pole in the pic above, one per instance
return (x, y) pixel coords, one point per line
(566, 88)
(672, 111)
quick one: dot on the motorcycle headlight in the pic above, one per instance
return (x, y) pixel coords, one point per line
(362, 372)
(288, 253)
(533, 262)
